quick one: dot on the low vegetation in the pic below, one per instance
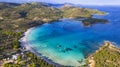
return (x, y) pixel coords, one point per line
(76, 12)
(107, 56)
(28, 60)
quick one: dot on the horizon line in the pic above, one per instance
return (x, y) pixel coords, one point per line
(65, 3)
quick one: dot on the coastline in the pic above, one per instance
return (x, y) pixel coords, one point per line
(23, 39)
(25, 46)
(107, 45)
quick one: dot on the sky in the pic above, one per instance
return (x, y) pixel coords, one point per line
(82, 2)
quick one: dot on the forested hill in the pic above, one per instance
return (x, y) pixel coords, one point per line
(43, 12)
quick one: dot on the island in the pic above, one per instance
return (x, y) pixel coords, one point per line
(91, 21)
(15, 19)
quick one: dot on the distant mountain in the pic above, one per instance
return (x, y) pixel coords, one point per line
(60, 5)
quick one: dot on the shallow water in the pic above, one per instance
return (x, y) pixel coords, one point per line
(67, 42)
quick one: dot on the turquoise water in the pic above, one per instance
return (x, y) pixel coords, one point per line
(67, 42)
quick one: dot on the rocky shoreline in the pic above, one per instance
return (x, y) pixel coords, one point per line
(107, 45)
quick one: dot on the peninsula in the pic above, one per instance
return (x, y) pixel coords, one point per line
(106, 56)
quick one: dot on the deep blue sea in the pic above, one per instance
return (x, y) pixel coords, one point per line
(68, 42)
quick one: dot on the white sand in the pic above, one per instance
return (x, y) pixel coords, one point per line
(25, 44)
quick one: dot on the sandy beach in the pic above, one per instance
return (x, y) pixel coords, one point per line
(25, 45)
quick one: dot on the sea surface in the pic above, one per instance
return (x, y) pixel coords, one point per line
(68, 42)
